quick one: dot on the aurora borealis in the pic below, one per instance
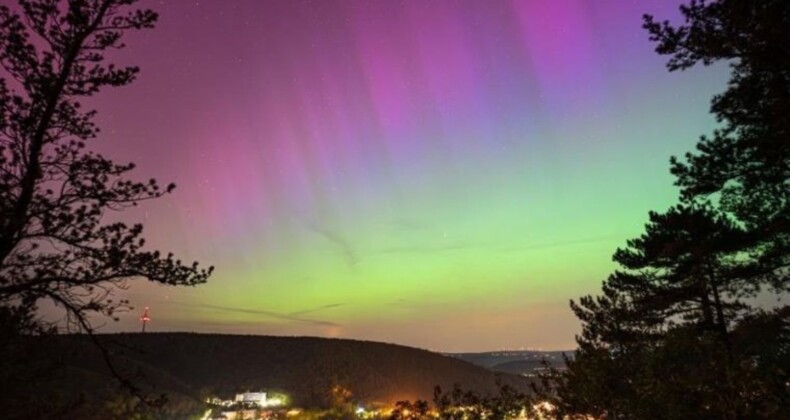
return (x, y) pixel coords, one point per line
(441, 174)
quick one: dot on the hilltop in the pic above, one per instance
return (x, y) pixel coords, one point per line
(192, 366)
(518, 362)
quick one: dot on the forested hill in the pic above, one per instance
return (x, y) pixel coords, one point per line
(305, 368)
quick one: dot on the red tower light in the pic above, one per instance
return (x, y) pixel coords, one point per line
(145, 318)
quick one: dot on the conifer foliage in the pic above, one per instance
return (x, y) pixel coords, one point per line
(682, 329)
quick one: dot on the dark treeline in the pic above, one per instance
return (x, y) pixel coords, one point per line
(695, 323)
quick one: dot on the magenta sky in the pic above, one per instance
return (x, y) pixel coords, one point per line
(443, 174)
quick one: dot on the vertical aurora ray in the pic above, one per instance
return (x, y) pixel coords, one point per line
(444, 174)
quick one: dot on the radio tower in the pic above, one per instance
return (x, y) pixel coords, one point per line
(145, 318)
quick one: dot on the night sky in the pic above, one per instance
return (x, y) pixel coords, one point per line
(440, 174)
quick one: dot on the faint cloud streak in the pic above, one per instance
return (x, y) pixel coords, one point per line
(335, 238)
(291, 317)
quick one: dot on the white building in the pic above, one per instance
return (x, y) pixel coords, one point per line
(258, 398)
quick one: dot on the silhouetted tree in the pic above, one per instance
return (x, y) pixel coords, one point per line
(508, 403)
(407, 410)
(457, 404)
(677, 332)
(55, 192)
(341, 405)
(685, 269)
(679, 287)
(743, 167)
